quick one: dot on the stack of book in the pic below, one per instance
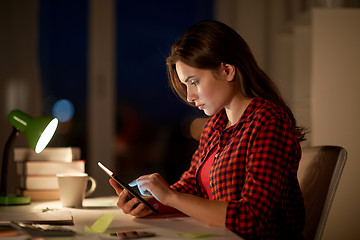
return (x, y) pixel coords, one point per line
(38, 171)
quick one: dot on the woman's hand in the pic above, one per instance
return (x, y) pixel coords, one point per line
(154, 185)
(210, 212)
(129, 204)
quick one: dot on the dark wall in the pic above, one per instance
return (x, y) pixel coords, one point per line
(151, 122)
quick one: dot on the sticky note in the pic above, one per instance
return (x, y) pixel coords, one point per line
(194, 235)
(101, 224)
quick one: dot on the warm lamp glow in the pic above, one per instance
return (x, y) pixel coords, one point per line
(196, 127)
(46, 135)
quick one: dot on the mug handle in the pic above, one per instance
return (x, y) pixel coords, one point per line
(92, 188)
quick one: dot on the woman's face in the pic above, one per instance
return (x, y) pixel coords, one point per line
(210, 91)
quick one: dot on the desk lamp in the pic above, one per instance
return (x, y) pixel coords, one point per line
(38, 132)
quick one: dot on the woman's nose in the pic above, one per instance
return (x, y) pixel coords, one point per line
(191, 95)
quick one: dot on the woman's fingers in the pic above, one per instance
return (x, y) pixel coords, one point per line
(140, 183)
(116, 186)
(132, 206)
(141, 211)
(152, 185)
(128, 203)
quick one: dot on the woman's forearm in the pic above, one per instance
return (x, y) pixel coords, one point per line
(210, 212)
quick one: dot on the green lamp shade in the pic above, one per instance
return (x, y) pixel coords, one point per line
(38, 131)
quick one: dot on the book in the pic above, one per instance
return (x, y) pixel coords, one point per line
(61, 154)
(49, 167)
(52, 217)
(35, 182)
(39, 195)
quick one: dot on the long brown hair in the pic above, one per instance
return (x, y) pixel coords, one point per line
(208, 44)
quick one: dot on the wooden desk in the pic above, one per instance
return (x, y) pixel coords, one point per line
(165, 227)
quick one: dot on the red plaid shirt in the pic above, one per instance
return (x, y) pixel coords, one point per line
(256, 171)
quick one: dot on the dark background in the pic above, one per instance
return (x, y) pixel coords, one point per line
(152, 125)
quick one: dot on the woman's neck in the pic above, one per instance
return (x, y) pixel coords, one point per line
(236, 108)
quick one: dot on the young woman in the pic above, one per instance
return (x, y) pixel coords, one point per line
(244, 173)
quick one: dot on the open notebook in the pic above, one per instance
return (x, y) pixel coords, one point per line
(40, 217)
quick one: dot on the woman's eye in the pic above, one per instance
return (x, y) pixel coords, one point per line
(195, 83)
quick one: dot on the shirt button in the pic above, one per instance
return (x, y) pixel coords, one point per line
(216, 155)
(211, 184)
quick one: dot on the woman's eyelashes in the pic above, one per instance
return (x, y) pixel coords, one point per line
(194, 82)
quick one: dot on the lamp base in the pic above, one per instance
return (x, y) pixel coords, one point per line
(14, 200)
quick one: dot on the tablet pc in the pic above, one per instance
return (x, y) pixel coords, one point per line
(127, 187)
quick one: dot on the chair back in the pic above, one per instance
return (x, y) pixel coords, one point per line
(319, 173)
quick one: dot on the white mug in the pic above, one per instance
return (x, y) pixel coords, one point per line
(73, 188)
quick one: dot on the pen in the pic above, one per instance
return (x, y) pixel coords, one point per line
(39, 230)
(18, 227)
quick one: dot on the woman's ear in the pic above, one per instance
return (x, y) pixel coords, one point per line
(229, 71)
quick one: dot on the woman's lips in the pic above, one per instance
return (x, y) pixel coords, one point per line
(201, 106)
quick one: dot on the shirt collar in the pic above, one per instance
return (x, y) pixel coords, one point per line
(218, 121)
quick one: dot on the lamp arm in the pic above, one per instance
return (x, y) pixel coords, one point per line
(5, 161)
